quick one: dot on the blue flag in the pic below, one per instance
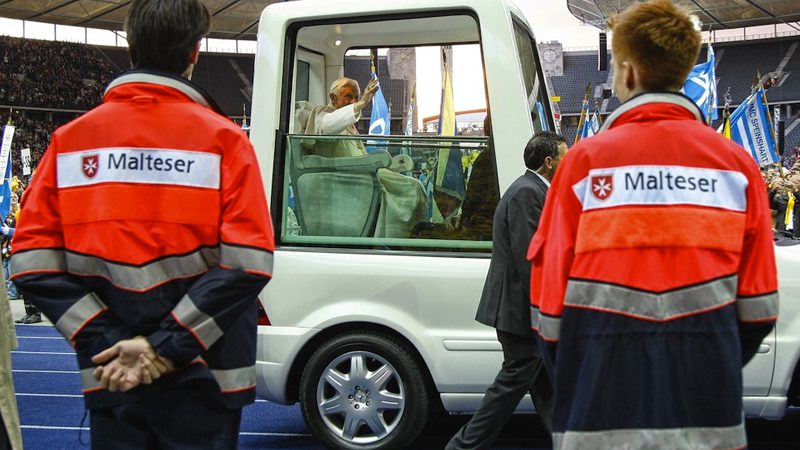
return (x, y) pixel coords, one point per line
(701, 87)
(5, 169)
(591, 126)
(751, 128)
(583, 118)
(380, 119)
(5, 193)
(542, 116)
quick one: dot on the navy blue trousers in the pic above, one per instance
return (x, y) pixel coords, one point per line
(183, 416)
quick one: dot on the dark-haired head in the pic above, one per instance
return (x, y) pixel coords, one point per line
(165, 34)
(540, 147)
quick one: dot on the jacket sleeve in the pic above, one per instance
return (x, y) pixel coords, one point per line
(216, 299)
(39, 269)
(336, 121)
(757, 294)
(552, 250)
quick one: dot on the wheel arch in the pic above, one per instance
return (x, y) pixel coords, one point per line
(293, 384)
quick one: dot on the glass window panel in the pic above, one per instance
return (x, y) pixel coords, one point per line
(68, 33)
(411, 190)
(11, 27)
(38, 30)
(101, 37)
(381, 198)
(221, 45)
(538, 102)
(247, 47)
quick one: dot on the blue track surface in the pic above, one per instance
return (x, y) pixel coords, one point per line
(51, 405)
(52, 413)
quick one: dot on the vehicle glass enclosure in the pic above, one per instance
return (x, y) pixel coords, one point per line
(538, 101)
(430, 184)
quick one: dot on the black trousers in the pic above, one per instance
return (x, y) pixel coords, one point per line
(522, 372)
(184, 416)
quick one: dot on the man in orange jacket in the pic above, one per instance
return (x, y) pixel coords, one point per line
(653, 278)
(145, 237)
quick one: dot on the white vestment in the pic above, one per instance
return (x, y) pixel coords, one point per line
(403, 199)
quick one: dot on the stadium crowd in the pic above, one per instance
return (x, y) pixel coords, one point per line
(68, 76)
(59, 75)
(32, 130)
(783, 186)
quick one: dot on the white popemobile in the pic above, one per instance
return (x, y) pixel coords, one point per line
(368, 333)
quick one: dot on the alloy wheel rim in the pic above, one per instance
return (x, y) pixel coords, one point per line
(361, 397)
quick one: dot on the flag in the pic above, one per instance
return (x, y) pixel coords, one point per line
(449, 170)
(750, 127)
(584, 113)
(379, 119)
(591, 126)
(542, 116)
(5, 169)
(701, 87)
(410, 115)
(725, 128)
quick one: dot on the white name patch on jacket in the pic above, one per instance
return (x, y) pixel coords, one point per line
(139, 165)
(662, 185)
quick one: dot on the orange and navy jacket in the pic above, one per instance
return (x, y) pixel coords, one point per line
(147, 216)
(653, 281)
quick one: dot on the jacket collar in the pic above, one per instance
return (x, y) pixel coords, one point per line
(168, 79)
(646, 98)
(532, 174)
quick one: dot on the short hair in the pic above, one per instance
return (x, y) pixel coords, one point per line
(660, 39)
(540, 147)
(163, 33)
(337, 85)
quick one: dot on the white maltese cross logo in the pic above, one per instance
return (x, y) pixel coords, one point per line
(90, 165)
(602, 186)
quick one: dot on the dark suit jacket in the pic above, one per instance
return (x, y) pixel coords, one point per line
(505, 301)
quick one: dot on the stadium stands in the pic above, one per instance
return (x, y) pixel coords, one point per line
(737, 65)
(69, 77)
(227, 77)
(579, 68)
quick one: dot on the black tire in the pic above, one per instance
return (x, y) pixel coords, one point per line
(391, 393)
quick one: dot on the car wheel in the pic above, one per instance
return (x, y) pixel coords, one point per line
(364, 391)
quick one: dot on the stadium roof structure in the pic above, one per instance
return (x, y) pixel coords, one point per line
(714, 14)
(231, 19)
(238, 19)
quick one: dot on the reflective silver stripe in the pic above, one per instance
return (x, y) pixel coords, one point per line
(142, 278)
(246, 258)
(150, 78)
(549, 327)
(46, 260)
(648, 305)
(535, 317)
(203, 327)
(732, 437)
(88, 383)
(78, 314)
(235, 379)
(754, 309)
(643, 99)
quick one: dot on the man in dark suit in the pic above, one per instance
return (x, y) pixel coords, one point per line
(505, 301)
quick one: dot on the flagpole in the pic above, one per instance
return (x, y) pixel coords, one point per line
(711, 105)
(584, 111)
(772, 128)
(597, 110)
